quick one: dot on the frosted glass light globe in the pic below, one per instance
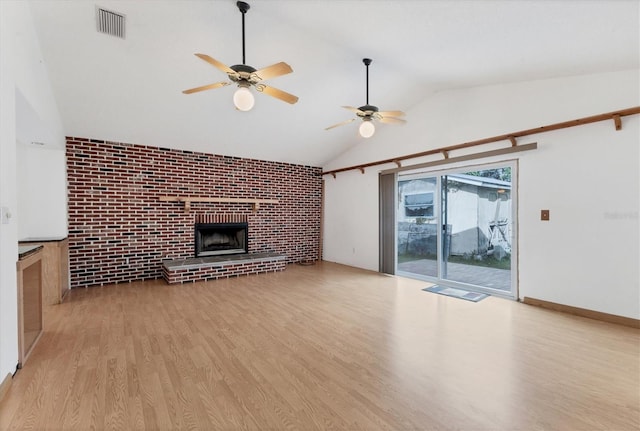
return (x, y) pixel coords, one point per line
(243, 99)
(367, 129)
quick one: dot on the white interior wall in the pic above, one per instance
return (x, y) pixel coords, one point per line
(42, 192)
(351, 219)
(23, 77)
(42, 181)
(587, 254)
(8, 232)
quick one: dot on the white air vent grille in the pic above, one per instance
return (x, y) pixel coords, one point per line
(109, 22)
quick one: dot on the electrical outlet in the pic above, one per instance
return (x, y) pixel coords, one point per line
(544, 215)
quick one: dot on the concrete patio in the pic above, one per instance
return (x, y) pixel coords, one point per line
(471, 274)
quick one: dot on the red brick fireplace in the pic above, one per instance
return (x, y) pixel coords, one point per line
(120, 230)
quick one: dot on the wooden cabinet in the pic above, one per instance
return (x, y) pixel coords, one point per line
(55, 267)
(30, 321)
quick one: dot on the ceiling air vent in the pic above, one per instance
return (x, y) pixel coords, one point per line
(109, 22)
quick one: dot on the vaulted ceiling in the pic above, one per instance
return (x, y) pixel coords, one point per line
(130, 90)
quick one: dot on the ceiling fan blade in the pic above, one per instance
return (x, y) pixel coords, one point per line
(391, 113)
(273, 71)
(352, 109)
(278, 94)
(340, 124)
(206, 87)
(391, 120)
(223, 67)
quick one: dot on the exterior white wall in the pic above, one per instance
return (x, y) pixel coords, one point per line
(471, 210)
(587, 255)
(23, 76)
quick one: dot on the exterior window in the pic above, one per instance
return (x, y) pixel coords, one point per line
(418, 205)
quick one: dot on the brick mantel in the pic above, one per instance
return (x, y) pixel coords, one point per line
(120, 230)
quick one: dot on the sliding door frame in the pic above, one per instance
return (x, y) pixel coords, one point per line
(438, 174)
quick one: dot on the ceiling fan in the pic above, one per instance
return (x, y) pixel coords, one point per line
(246, 76)
(368, 113)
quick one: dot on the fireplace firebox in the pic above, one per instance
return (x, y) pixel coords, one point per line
(212, 239)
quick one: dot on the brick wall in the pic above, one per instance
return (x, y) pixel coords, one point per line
(120, 231)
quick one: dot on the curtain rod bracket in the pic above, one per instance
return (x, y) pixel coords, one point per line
(445, 153)
(513, 141)
(617, 122)
(361, 170)
(397, 162)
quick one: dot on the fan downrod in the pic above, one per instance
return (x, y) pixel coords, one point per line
(244, 7)
(367, 62)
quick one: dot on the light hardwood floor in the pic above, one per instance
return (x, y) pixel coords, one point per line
(320, 347)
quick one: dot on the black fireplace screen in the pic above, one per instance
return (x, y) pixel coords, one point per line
(212, 239)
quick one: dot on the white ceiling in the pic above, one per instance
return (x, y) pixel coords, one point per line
(131, 90)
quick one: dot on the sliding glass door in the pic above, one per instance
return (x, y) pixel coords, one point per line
(417, 225)
(457, 227)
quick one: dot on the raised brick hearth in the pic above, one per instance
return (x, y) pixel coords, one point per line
(211, 268)
(120, 230)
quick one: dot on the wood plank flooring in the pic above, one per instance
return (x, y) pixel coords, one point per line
(320, 347)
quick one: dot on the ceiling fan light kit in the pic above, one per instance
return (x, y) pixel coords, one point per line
(368, 113)
(246, 76)
(367, 129)
(243, 98)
